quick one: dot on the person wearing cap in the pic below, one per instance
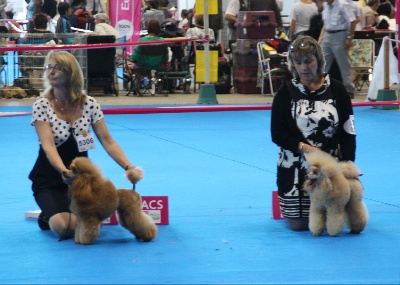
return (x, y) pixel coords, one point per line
(103, 27)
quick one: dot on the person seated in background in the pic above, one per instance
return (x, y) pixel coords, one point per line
(103, 27)
(63, 23)
(149, 62)
(12, 25)
(153, 32)
(197, 32)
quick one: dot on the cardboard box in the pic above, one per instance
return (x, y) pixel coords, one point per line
(155, 206)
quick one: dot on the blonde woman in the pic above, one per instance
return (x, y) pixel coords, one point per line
(63, 119)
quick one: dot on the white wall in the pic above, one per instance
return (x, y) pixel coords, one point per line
(185, 4)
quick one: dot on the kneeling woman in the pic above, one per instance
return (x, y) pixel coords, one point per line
(309, 112)
(62, 119)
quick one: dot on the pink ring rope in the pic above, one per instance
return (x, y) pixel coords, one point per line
(15, 47)
(208, 108)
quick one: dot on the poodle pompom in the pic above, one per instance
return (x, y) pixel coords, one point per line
(134, 174)
(350, 170)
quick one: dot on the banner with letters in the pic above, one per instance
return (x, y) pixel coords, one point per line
(125, 17)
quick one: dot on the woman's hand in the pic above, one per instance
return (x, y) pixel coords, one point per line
(67, 176)
(306, 148)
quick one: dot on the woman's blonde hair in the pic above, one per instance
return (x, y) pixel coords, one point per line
(75, 81)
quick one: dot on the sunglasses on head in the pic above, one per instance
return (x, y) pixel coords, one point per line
(302, 45)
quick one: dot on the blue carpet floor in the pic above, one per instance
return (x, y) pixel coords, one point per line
(218, 170)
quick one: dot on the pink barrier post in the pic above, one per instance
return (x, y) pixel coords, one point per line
(125, 16)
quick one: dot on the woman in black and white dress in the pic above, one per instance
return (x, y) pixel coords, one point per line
(310, 112)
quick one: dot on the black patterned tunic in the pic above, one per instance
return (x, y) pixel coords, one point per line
(322, 118)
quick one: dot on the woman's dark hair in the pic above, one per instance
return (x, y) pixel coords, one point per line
(199, 20)
(40, 21)
(153, 27)
(10, 15)
(63, 7)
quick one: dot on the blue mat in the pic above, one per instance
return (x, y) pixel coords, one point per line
(218, 170)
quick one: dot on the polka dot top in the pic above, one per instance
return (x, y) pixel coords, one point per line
(42, 111)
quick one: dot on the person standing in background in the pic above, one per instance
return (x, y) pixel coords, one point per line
(362, 3)
(29, 9)
(335, 39)
(370, 14)
(231, 13)
(267, 5)
(184, 23)
(301, 15)
(96, 6)
(385, 8)
(358, 13)
(3, 4)
(280, 5)
(63, 23)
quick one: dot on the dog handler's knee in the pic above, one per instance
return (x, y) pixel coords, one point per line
(298, 224)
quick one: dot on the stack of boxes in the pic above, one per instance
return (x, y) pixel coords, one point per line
(251, 28)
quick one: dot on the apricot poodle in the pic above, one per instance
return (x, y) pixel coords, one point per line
(95, 198)
(336, 195)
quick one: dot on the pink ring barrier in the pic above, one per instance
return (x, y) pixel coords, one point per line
(14, 47)
(202, 108)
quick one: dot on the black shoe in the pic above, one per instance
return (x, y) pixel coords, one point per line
(43, 222)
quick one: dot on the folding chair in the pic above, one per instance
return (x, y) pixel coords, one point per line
(266, 69)
(150, 79)
(362, 57)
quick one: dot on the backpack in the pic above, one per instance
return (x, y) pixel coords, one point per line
(82, 19)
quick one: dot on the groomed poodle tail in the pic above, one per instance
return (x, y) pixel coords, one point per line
(131, 216)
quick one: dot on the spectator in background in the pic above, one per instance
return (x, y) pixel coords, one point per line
(356, 8)
(370, 14)
(280, 5)
(335, 38)
(267, 5)
(385, 8)
(96, 6)
(184, 23)
(63, 23)
(3, 4)
(301, 14)
(12, 25)
(29, 9)
(320, 5)
(233, 9)
(49, 7)
(103, 27)
(198, 31)
(362, 3)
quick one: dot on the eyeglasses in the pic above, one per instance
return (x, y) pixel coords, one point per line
(302, 45)
(55, 67)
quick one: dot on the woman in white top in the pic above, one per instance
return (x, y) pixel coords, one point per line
(198, 30)
(301, 14)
